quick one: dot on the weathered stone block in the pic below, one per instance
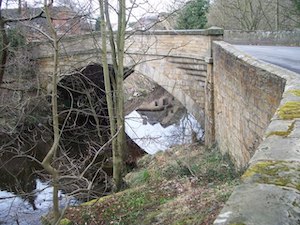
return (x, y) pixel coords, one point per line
(261, 204)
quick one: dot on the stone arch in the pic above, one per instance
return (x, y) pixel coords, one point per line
(168, 76)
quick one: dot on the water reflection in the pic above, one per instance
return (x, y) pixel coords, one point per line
(155, 137)
(24, 195)
(17, 210)
(161, 123)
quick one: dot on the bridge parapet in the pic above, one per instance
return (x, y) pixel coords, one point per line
(251, 93)
(259, 37)
(178, 43)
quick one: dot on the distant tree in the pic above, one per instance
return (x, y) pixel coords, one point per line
(254, 15)
(4, 39)
(292, 11)
(98, 24)
(297, 5)
(193, 15)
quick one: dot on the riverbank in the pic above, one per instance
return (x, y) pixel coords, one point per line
(186, 184)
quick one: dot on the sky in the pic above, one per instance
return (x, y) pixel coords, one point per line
(143, 7)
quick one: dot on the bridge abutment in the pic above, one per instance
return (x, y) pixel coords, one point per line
(209, 123)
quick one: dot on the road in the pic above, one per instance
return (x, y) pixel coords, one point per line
(286, 57)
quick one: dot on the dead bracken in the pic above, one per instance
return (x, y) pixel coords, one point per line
(185, 185)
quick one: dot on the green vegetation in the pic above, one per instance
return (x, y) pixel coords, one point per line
(16, 38)
(65, 222)
(185, 185)
(297, 5)
(193, 15)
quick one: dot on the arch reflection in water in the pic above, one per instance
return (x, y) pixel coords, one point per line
(152, 136)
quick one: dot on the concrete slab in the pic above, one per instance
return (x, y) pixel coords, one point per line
(260, 204)
(278, 148)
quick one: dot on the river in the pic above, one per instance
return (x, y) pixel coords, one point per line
(155, 124)
(27, 210)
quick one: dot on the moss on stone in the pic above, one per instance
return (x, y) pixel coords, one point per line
(65, 222)
(289, 110)
(237, 224)
(279, 133)
(265, 167)
(283, 133)
(274, 172)
(103, 199)
(295, 92)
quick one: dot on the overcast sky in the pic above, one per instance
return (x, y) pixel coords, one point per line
(142, 8)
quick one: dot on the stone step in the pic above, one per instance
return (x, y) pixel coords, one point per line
(196, 73)
(190, 61)
(193, 68)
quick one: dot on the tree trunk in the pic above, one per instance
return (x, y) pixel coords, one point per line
(277, 15)
(120, 81)
(49, 158)
(109, 96)
(4, 45)
(115, 101)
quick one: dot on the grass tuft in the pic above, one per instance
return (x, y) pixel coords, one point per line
(185, 185)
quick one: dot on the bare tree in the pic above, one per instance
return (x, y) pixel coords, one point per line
(115, 96)
(76, 122)
(65, 170)
(4, 45)
(252, 15)
(47, 161)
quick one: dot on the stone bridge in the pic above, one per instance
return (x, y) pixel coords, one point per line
(251, 108)
(173, 59)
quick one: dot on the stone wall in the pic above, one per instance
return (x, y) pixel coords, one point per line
(285, 38)
(246, 98)
(259, 102)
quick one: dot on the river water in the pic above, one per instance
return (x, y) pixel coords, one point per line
(155, 125)
(17, 210)
(155, 137)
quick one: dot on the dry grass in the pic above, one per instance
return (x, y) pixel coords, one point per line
(185, 185)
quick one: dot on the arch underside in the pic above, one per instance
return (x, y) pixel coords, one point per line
(179, 76)
(174, 80)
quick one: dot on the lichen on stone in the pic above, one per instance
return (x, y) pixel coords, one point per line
(261, 168)
(295, 92)
(278, 173)
(283, 133)
(289, 110)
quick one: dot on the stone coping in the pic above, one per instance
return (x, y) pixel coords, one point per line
(212, 31)
(270, 188)
(260, 37)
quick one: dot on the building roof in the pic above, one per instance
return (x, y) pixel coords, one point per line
(65, 20)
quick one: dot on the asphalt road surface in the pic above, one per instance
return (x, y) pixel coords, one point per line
(286, 57)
